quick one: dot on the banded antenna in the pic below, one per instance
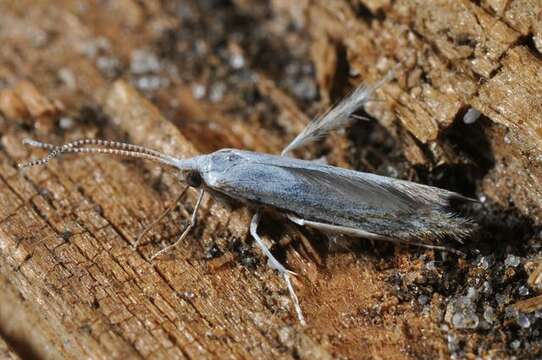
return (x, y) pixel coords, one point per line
(96, 146)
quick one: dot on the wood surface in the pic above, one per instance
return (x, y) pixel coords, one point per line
(73, 287)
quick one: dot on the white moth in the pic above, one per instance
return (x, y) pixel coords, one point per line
(324, 197)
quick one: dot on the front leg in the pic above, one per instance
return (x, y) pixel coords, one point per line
(164, 214)
(275, 264)
(188, 228)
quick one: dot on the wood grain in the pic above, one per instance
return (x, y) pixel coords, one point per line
(73, 287)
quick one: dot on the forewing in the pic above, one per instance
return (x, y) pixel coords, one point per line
(272, 180)
(360, 190)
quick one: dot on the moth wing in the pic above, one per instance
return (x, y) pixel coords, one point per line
(378, 191)
(338, 116)
(356, 189)
(279, 182)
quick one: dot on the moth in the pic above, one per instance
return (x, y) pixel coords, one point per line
(324, 197)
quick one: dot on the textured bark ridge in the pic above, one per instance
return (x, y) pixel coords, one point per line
(194, 76)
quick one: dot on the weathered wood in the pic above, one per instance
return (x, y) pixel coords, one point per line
(113, 285)
(450, 65)
(72, 286)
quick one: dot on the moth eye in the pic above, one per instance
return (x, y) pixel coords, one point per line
(194, 179)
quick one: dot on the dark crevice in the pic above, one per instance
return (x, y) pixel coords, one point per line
(20, 346)
(363, 12)
(474, 154)
(375, 149)
(528, 41)
(340, 79)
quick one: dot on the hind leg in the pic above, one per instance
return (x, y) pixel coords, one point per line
(364, 234)
(275, 264)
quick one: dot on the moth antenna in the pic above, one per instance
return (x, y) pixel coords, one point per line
(38, 144)
(97, 142)
(102, 147)
(116, 145)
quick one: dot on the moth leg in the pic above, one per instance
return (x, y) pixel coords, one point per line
(163, 215)
(275, 264)
(188, 228)
(364, 234)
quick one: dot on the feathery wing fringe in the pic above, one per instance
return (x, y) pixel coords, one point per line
(338, 116)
